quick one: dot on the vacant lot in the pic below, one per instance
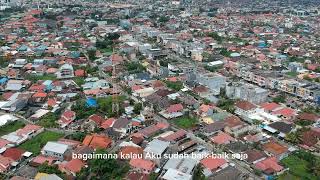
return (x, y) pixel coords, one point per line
(298, 168)
(34, 145)
(185, 122)
(13, 126)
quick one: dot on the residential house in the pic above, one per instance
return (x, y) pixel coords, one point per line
(173, 111)
(269, 166)
(184, 165)
(96, 141)
(71, 167)
(222, 138)
(122, 125)
(94, 121)
(21, 135)
(66, 118)
(275, 149)
(55, 149)
(212, 165)
(244, 109)
(142, 165)
(65, 71)
(173, 174)
(5, 164)
(254, 156)
(156, 148)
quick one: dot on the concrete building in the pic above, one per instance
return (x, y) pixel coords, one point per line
(245, 91)
(212, 80)
(55, 149)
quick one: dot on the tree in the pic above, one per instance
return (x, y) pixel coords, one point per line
(198, 173)
(49, 120)
(226, 104)
(315, 167)
(78, 136)
(279, 99)
(293, 137)
(303, 122)
(82, 111)
(215, 36)
(163, 19)
(137, 108)
(103, 169)
(153, 176)
(92, 55)
(174, 85)
(50, 169)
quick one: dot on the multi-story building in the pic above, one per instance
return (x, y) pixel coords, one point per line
(245, 91)
(212, 80)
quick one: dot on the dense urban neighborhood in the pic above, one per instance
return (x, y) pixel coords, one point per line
(154, 89)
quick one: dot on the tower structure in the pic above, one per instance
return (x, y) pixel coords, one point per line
(115, 100)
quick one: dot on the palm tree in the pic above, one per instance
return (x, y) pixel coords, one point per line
(294, 137)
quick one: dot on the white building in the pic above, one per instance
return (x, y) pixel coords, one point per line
(55, 149)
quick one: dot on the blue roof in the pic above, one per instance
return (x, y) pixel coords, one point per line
(3, 80)
(47, 82)
(91, 102)
(75, 54)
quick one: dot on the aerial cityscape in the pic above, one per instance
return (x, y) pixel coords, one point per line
(160, 90)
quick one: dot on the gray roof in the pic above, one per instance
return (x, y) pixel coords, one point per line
(121, 123)
(173, 174)
(184, 165)
(13, 87)
(55, 147)
(157, 146)
(229, 173)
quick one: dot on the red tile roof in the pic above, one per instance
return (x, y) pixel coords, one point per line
(28, 129)
(245, 105)
(310, 137)
(269, 164)
(5, 163)
(222, 138)
(162, 125)
(275, 148)
(14, 153)
(269, 106)
(40, 95)
(286, 112)
(97, 119)
(40, 159)
(142, 164)
(51, 102)
(308, 116)
(79, 73)
(175, 136)
(75, 165)
(175, 108)
(212, 163)
(3, 143)
(97, 141)
(108, 123)
(130, 151)
(69, 114)
(205, 107)
(7, 95)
